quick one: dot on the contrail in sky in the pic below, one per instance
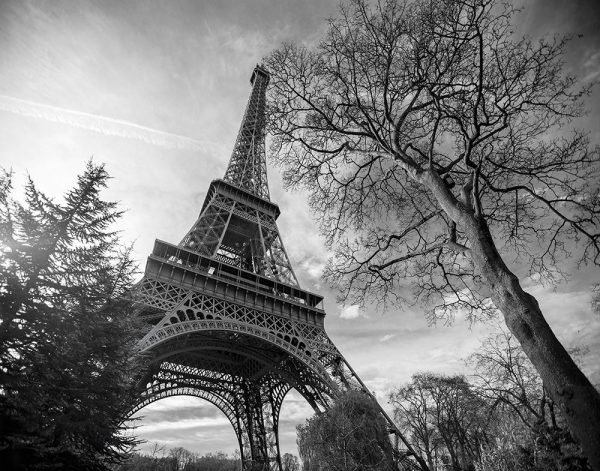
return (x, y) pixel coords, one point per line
(102, 124)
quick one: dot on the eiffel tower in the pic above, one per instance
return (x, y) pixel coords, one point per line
(228, 321)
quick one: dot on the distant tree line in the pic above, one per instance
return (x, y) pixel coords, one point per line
(499, 419)
(180, 459)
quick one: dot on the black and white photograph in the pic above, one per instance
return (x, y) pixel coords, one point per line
(300, 235)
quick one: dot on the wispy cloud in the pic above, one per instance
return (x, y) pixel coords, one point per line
(387, 337)
(183, 424)
(591, 67)
(102, 124)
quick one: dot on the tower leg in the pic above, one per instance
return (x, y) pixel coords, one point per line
(261, 407)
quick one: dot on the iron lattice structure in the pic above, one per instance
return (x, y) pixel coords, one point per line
(228, 321)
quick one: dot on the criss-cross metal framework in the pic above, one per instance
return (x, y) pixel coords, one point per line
(228, 321)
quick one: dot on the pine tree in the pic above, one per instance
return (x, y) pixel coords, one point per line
(67, 340)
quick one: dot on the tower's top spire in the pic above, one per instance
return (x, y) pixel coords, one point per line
(247, 167)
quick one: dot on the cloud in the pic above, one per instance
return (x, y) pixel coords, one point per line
(313, 267)
(591, 67)
(183, 424)
(170, 411)
(102, 124)
(593, 60)
(387, 337)
(350, 312)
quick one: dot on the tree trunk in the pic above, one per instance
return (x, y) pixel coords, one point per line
(566, 384)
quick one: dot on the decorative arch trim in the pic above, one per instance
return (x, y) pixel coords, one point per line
(173, 326)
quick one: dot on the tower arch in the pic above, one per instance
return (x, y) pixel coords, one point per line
(222, 403)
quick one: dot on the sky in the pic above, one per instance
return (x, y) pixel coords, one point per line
(156, 90)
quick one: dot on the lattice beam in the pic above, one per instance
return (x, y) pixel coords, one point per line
(247, 166)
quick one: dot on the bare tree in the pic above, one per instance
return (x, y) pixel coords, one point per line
(505, 376)
(157, 449)
(434, 146)
(507, 379)
(444, 418)
(182, 456)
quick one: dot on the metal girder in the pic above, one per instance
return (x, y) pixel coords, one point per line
(247, 167)
(237, 230)
(252, 405)
(233, 351)
(198, 312)
(206, 235)
(241, 235)
(220, 402)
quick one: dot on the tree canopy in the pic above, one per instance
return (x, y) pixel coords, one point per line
(351, 435)
(437, 149)
(444, 418)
